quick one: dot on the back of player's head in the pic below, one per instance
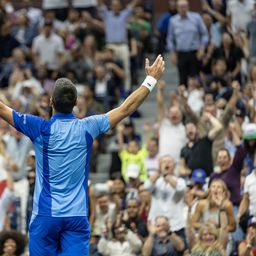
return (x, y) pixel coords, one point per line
(64, 96)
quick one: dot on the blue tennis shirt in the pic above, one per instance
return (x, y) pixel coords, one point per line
(62, 147)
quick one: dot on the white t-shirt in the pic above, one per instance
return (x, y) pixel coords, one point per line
(52, 4)
(250, 188)
(172, 138)
(5, 201)
(240, 12)
(84, 3)
(151, 165)
(48, 49)
(167, 201)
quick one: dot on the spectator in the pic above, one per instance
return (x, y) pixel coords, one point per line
(132, 155)
(216, 209)
(125, 242)
(169, 127)
(24, 32)
(104, 210)
(151, 161)
(209, 242)
(211, 107)
(239, 14)
(115, 21)
(198, 151)
(161, 240)
(6, 198)
(59, 7)
(12, 243)
(104, 86)
(133, 221)
(7, 41)
(33, 14)
(248, 202)
(232, 54)
(167, 194)
(48, 49)
(252, 35)
(85, 5)
(18, 147)
(248, 246)
(187, 38)
(162, 26)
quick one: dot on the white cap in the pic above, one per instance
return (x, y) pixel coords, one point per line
(133, 171)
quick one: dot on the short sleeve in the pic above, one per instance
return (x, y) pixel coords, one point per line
(246, 185)
(97, 124)
(29, 125)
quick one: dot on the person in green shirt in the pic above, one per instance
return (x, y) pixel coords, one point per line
(133, 154)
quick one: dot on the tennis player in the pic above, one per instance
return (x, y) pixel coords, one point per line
(59, 223)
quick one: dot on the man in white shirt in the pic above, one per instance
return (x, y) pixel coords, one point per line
(167, 195)
(249, 197)
(239, 13)
(48, 48)
(172, 135)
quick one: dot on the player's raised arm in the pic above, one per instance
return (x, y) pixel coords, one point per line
(154, 72)
(6, 113)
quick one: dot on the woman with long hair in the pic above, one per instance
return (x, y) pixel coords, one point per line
(208, 242)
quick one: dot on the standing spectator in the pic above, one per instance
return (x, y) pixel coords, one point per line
(162, 26)
(249, 196)
(169, 127)
(48, 48)
(232, 54)
(167, 195)
(23, 31)
(187, 38)
(60, 8)
(239, 14)
(34, 14)
(115, 21)
(251, 31)
(18, 147)
(198, 151)
(85, 5)
(5, 200)
(161, 240)
(7, 41)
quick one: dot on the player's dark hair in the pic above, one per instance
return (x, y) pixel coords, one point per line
(64, 96)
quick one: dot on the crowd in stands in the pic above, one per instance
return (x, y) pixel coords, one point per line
(187, 185)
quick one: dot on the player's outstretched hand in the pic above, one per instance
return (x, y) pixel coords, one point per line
(156, 69)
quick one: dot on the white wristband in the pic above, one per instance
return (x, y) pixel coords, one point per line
(149, 82)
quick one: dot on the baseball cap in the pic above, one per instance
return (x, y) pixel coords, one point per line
(133, 171)
(199, 176)
(249, 131)
(252, 222)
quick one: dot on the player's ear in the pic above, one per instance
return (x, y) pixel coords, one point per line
(51, 102)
